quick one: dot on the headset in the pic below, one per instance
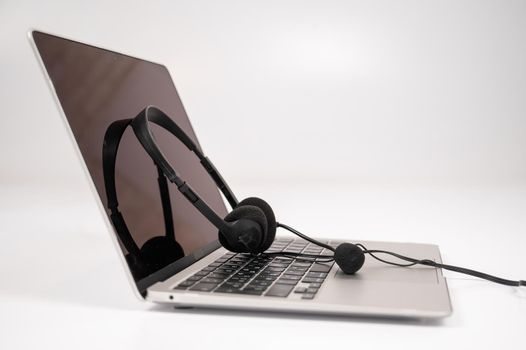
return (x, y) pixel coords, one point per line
(251, 225)
(158, 251)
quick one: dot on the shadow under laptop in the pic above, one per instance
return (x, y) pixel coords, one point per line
(300, 316)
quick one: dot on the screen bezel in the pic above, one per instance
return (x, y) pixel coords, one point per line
(139, 286)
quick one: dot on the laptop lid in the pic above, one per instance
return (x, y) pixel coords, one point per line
(96, 87)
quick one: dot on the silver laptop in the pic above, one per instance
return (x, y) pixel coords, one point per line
(96, 87)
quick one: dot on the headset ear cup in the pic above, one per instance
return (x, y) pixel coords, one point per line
(270, 218)
(249, 212)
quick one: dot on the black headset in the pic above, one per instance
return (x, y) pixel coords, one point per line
(251, 226)
(158, 251)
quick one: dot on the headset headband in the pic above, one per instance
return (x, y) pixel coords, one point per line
(140, 125)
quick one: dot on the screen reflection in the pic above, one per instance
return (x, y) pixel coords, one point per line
(97, 87)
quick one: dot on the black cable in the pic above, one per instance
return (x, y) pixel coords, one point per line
(427, 262)
(302, 256)
(305, 237)
(366, 251)
(372, 252)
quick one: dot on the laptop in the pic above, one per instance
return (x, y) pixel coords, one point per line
(95, 87)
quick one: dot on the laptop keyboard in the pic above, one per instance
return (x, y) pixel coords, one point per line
(263, 275)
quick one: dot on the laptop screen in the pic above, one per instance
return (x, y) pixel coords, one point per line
(96, 87)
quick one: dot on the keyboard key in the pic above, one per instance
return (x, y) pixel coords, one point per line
(279, 265)
(232, 285)
(320, 268)
(212, 280)
(291, 277)
(257, 287)
(194, 278)
(312, 290)
(290, 250)
(204, 287)
(308, 296)
(201, 273)
(280, 290)
(313, 280)
(317, 274)
(251, 270)
(300, 290)
(275, 269)
(269, 273)
(285, 281)
(261, 282)
(251, 292)
(301, 263)
(298, 268)
(224, 269)
(238, 278)
(294, 273)
(231, 281)
(186, 283)
(236, 283)
(227, 289)
(267, 278)
(233, 265)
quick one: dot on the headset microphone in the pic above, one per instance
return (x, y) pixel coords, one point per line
(251, 225)
(349, 257)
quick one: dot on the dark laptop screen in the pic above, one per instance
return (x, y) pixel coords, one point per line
(96, 87)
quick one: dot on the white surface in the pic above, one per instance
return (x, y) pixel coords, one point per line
(414, 111)
(55, 253)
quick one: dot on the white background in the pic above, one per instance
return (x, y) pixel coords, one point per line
(383, 90)
(385, 120)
